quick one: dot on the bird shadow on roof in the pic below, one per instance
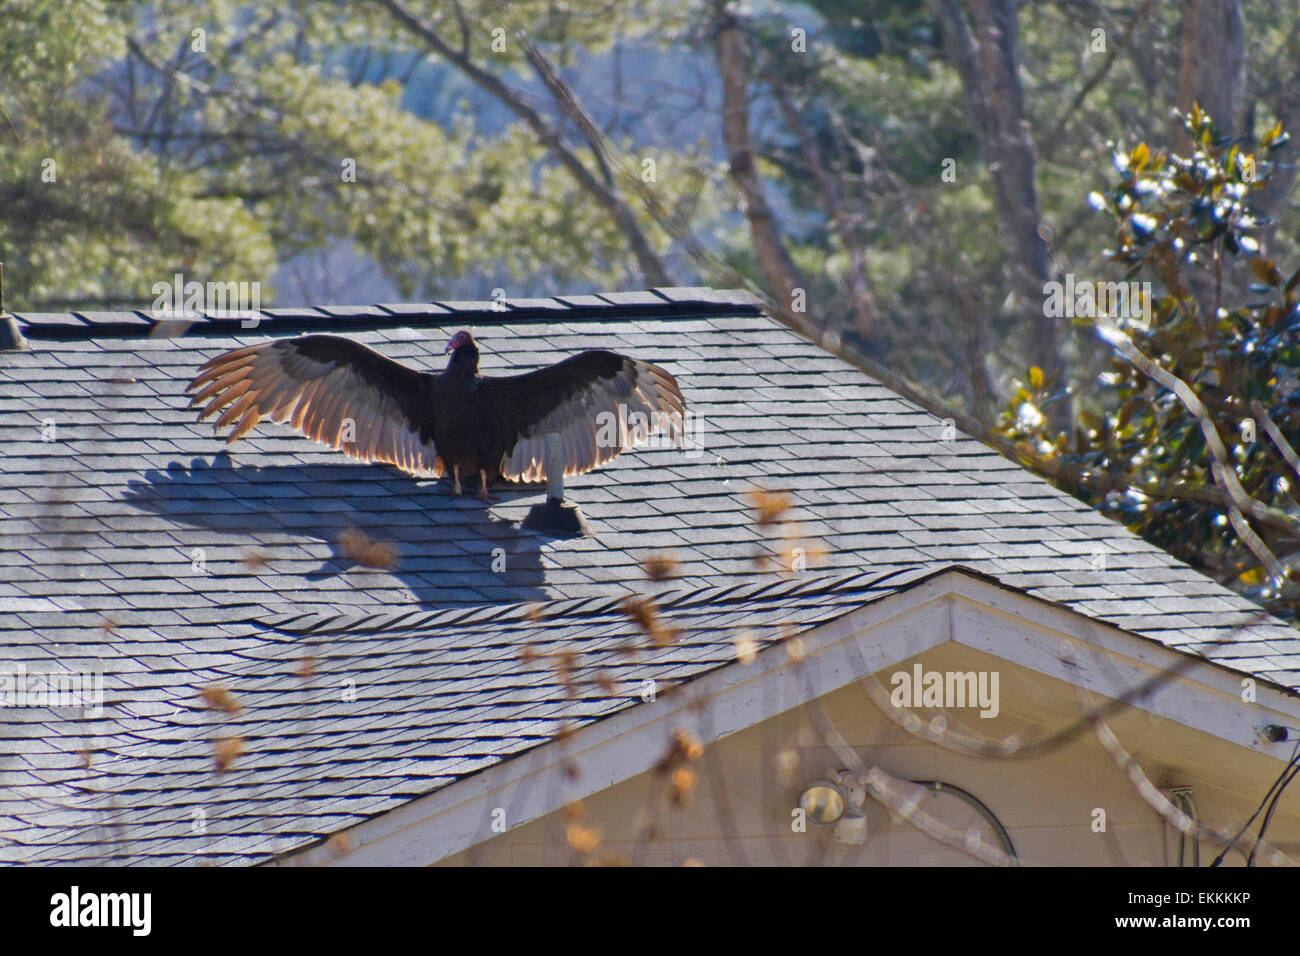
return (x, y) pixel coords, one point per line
(387, 530)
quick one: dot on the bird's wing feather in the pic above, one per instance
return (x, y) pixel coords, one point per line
(317, 383)
(599, 402)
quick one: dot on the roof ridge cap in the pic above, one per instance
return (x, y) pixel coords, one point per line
(661, 302)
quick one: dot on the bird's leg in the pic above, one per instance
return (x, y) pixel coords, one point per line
(482, 477)
(455, 473)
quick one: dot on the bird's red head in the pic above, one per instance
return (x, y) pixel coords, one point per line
(460, 338)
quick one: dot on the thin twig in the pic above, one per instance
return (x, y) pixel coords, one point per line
(1225, 474)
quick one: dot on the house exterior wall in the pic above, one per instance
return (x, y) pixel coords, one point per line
(739, 810)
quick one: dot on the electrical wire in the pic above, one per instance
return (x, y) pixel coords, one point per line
(938, 786)
(1250, 860)
(1290, 766)
(1182, 835)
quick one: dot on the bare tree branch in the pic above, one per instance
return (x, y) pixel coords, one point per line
(1225, 474)
(1053, 139)
(983, 53)
(1279, 440)
(1211, 62)
(652, 268)
(782, 275)
(568, 103)
(864, 306)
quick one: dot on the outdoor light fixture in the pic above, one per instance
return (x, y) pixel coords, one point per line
(837, 799)
(822, 802)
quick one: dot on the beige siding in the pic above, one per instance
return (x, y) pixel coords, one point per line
(739, 811)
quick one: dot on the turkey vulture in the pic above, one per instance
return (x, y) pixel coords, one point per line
(344, 394)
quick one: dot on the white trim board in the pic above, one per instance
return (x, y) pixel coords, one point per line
(953, 605)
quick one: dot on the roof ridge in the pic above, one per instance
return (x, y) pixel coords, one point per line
(667, 302)
(555, 609)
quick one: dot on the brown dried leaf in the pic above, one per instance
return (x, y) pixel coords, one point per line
(769, 505)
(691, 748)
(357, 546)
(582, 839)
(1265, 271)
(659, 566)
(564, 664)
(643, 612)
(216, 697)
(225, 750)
(254, 560)
(683, 749)
(683, 780)
(339, 844)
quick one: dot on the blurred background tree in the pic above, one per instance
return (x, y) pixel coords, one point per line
(1188, 435)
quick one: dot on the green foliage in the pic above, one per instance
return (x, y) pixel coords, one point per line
(83, 213)
(224, 152)
(1225, 320)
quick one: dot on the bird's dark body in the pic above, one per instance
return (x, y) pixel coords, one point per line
(460, 434)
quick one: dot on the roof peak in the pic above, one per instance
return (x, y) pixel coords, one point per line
(666, 302)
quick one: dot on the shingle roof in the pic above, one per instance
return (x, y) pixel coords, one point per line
(137, 542)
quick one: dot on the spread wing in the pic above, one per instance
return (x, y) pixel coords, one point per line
(333, 390)
(600, 403)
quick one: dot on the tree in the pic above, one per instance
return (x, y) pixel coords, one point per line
(983, 52)
(1189, 440)
(217, 140)
(781, 275)
(1211, 64)
(86, 218)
